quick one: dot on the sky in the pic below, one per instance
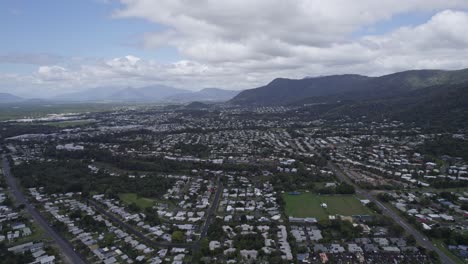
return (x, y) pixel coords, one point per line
(53, 47)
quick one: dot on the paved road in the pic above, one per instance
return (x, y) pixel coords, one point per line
(154, 243)
(135, 231)
(65, 247)
(420, 238)
(211, 211)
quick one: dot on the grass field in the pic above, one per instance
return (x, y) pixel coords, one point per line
(141, 202)
(308, 205)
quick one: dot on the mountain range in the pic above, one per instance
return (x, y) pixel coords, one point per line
(9, 98)
(205, 95)
(154, 93)
(325, 89)
(147, 94)
(432, 97)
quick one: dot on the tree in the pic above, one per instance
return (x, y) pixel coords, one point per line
(8, 202)
(411, 240)
(75, 214)
(178, 236)
(107, 241)
(134, 207)
(396, 229)
(151, 216)
(373, 206)
(345, 188)
(215, 229)
(434, 256)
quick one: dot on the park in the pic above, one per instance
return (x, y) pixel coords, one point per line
(312, 205)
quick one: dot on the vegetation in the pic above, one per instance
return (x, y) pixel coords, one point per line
(249, 241)
(303, 179)
(141, 202)
(445, 145)
(74, 176)
(178, 236)
(11, 258)
(434, 99)
(215, 230)
(309, 205)
(196, 150)
(342, 188)
(337, 229)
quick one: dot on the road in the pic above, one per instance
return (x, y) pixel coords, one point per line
(211, 211)
(154, 243)
(420, 238)
(65, 247)
(135, 231)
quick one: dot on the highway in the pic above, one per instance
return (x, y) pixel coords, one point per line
(420, 238)
(65, 247)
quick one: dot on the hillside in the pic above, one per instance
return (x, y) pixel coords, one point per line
(346, 87)
(286, 91)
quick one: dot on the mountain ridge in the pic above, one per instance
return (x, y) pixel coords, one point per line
(282, 91)
(142, 94)
(204, 95)
(152, 93)
(9, 98)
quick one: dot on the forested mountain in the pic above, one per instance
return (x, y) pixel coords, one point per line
(429, 97)
(333, 88)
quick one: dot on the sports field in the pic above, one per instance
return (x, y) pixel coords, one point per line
(308, 205)
(141, 202)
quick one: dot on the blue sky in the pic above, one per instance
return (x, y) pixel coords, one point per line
(235, 44)
(86, 28)
(83, 28)
(397, 21)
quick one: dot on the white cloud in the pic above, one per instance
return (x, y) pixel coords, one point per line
(53, 73)
(210, 30)
(244, 44)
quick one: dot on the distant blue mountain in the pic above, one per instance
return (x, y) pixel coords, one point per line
(9, 98)
(153, 93)
(205, 95)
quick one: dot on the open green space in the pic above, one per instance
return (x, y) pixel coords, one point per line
(309, 205)
(141, 202)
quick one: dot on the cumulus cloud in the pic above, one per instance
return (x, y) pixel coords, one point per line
(243, 44)
(218, 31)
